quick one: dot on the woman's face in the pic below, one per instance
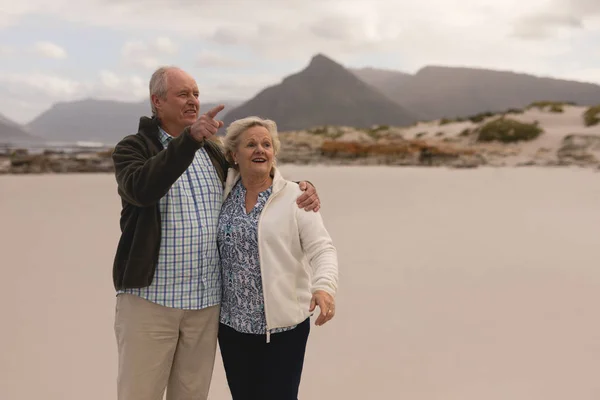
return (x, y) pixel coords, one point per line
(254, 153)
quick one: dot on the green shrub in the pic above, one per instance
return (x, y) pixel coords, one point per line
(321, 130)
(480, 117)
(445, 121)
(508, 130)
(556, 108)
(328, 131)
(379, 128)
(592, 116)
(514, 111)
(466, 132)
(552, 104)
(421, 134)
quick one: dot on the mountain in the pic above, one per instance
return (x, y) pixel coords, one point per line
(380, 77)
(11, 132)
(324, 93)
(438, 91)
(103, 121)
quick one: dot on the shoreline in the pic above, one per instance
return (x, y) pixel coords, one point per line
(536, 137)
(93, 162)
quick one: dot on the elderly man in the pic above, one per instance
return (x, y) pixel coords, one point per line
(170, 179)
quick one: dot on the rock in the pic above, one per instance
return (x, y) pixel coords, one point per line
(451, 157)
(58, 162)
(356, 136)
(19, 152)
(530, 163)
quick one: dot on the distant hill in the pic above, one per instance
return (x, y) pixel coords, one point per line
(327, 93)
(436, 91)
(103, 121)
(381, 77)
(11, 132)
(324, 93)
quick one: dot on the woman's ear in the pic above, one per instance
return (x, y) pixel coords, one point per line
(233, 158)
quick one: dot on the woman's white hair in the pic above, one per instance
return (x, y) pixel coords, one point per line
(235, 130)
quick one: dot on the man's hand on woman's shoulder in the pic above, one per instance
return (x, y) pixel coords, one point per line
(309, 200)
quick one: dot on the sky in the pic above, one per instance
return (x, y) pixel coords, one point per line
(63, 50)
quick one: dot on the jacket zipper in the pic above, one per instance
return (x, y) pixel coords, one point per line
(262, 277)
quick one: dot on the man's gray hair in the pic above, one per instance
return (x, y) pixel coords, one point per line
(238, 127)
(158, 84)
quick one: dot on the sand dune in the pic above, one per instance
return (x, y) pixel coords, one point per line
(455, 285)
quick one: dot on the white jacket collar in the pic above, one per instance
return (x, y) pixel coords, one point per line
(233, 176)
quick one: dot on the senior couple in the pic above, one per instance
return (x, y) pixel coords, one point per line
(215, 246)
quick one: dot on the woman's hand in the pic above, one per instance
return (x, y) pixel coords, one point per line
(326, 303)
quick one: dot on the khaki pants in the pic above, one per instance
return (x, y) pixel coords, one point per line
(161, 347)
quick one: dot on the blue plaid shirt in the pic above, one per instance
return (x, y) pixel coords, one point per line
(188, 271)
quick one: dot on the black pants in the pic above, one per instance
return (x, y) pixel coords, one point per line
(257, 370)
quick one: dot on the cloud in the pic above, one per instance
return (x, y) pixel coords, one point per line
(164, 45)
(583, 8)
(556, 17)
(250, 45)
(109, 79)
(11, 11)
(113, 86)
(208, 59)
(41, 84)
(147, 55)
(544, 26)
(587, 75)
(6, 51)
(49, 50)
(235, 86)
(297, 29)
(30, 94)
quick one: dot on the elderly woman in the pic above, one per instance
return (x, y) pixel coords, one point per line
(278, 264)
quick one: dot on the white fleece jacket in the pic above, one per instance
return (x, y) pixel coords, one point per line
(296, 254)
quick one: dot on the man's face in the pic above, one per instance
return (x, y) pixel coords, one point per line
(180, 106)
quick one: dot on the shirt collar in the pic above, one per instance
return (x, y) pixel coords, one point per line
(164, 137)
(241, 190)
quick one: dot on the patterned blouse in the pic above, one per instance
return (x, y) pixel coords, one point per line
(242, 304)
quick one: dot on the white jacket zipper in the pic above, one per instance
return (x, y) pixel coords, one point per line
(262, 277)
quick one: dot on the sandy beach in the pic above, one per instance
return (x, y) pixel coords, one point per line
(478, 284)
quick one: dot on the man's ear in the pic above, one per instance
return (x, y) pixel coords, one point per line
(156, 101)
